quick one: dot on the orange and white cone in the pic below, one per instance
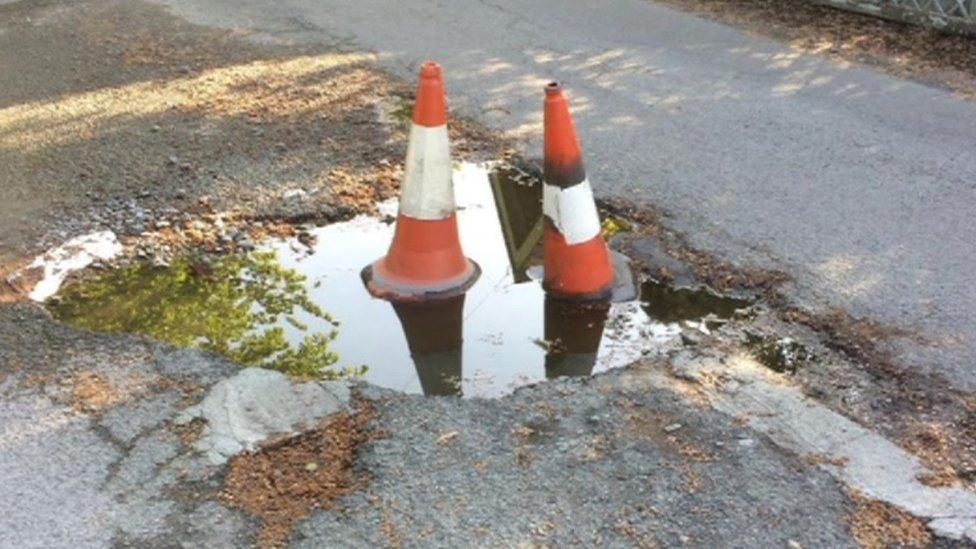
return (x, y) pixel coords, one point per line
(576, 258)
(425, 260)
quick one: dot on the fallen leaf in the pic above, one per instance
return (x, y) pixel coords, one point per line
(447, 437)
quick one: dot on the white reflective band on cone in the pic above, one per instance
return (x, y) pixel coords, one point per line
(427, 192)
(572, 211)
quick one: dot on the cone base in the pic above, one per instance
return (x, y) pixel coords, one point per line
(384, 287)
(623, 288)
(603, 294)
(580, 271)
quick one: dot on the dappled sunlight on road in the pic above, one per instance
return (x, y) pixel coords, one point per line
(850, 276)
(298, 86)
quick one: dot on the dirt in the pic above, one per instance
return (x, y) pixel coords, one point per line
(822, 459)
(388, 527)
(947, 447)
(921, 412)
(877, 525)
(92, 392)
(190, 432)
(285, 481)
(719, 275)
(908, 51)
(940, 479)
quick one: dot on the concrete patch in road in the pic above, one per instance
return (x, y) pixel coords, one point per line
(255, 405)
(862, 459)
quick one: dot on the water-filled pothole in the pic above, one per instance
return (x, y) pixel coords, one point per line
(785, 356)
(668, 304)
(299, 305)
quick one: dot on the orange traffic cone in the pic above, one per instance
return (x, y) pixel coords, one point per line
(576, 259)
(425, 260)
(434, 334)
(574, 330)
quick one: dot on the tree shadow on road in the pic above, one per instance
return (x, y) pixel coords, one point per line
(156, 113)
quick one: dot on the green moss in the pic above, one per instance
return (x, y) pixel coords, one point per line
(614, 225)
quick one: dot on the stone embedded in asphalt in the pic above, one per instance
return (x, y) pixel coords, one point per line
(255, 405)
(690, 338)
(624, 282)
(656, 260)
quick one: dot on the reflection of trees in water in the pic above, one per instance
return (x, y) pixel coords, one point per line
(233, 305)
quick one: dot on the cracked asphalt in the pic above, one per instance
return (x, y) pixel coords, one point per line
(569, 462)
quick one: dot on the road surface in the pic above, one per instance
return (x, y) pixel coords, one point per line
(860, 185)
(94, 446)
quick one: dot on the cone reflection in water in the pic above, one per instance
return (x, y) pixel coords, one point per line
(573, 330)
(433, 331)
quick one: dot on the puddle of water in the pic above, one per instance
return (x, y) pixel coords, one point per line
(667, 304)
(497, 337)
(240, 306)
(785, 356)
(305, 310)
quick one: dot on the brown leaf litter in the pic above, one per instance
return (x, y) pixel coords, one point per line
(946, 439)
(91, 392)
(878, 525)
(285, 481)
(909, 51)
